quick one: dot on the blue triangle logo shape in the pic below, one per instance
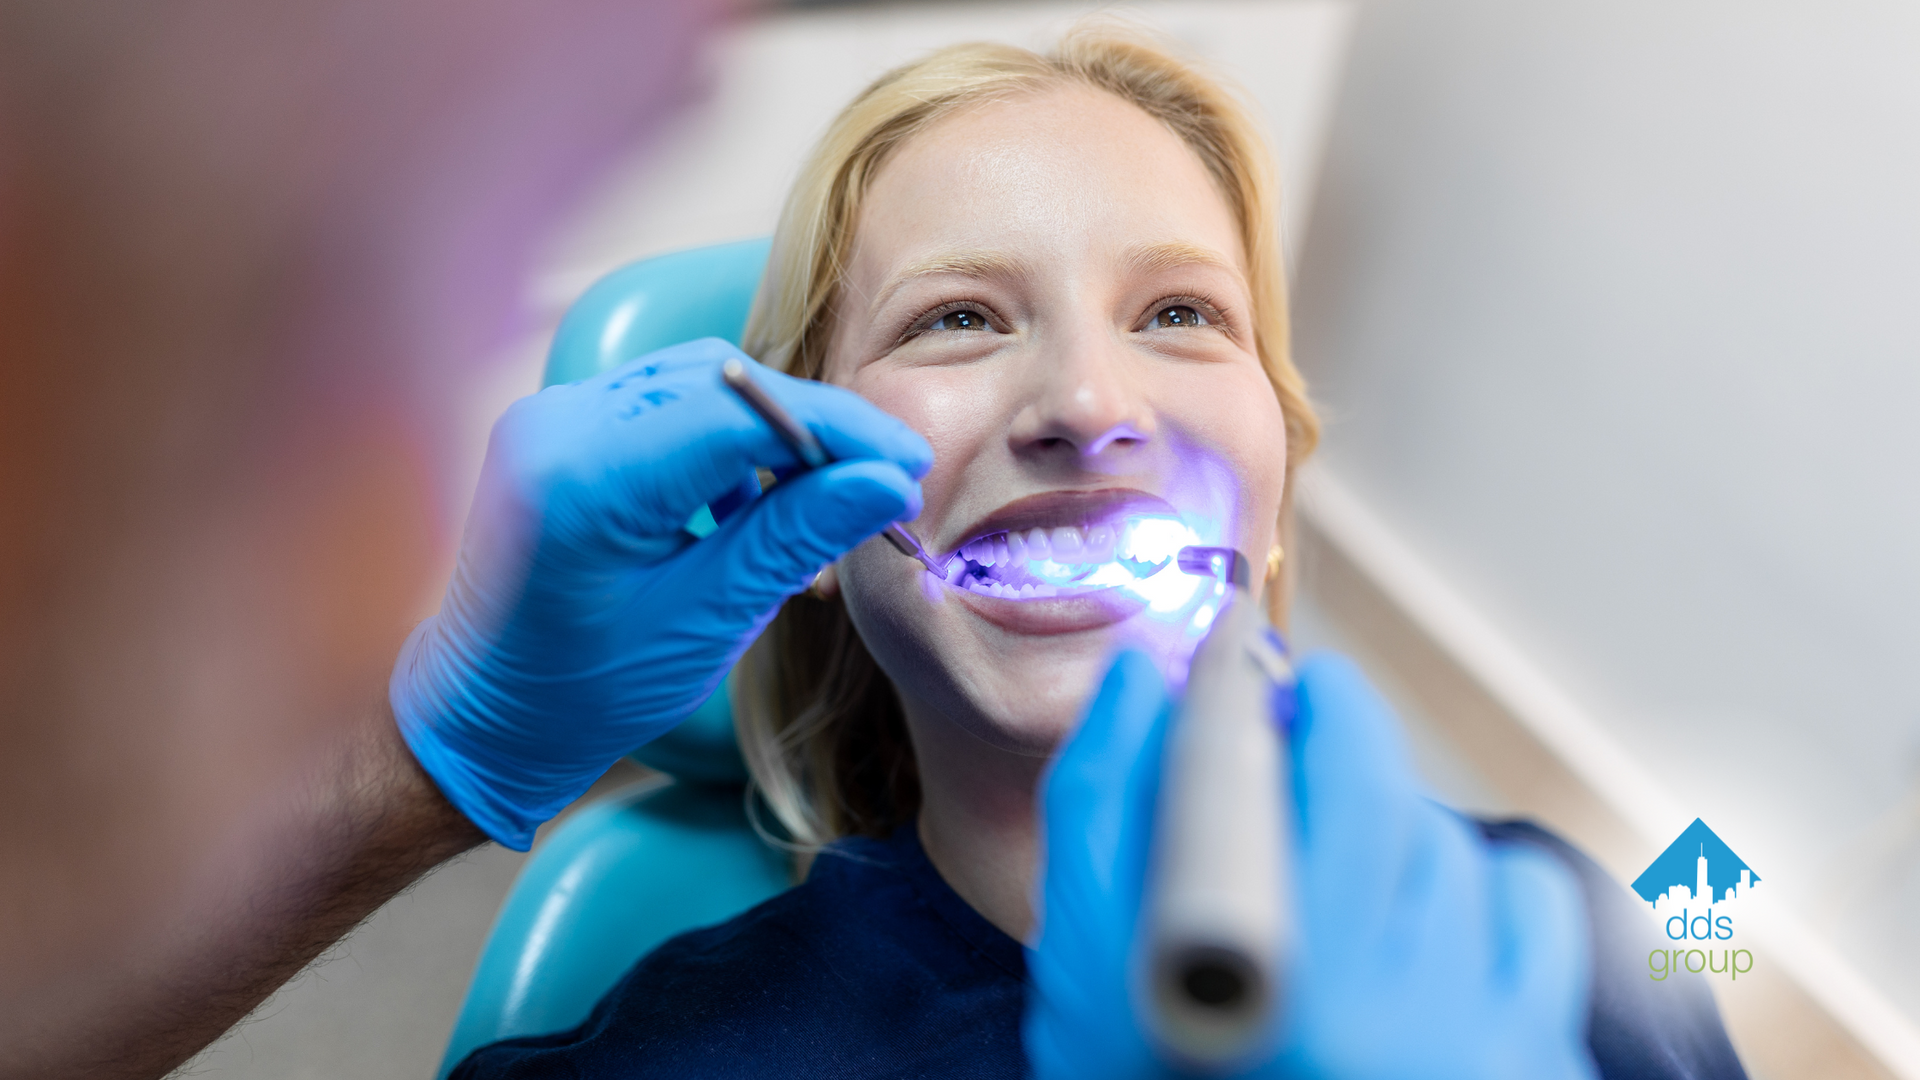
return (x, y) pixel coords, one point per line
(1678, 865)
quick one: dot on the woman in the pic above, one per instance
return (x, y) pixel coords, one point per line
(1063, 271)
(1097, 325)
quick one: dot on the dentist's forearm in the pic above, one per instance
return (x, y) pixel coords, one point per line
(370, 823)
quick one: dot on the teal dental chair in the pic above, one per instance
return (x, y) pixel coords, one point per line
(624, 874)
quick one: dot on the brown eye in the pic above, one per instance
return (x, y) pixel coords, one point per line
(960, 320)
(1177, 315)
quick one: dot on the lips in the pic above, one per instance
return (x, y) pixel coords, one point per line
(1061, 615)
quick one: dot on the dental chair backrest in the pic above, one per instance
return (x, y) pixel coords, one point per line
(624, 874)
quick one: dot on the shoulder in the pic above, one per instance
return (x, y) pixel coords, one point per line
(666, 1013)
(829, 939)
(850, 973)
(1640, 1026)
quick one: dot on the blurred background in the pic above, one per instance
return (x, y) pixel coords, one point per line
(1614, 312)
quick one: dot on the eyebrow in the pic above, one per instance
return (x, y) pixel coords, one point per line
(973, 264)
(1149, 258)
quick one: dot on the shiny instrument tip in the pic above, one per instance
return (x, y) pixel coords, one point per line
(905, 544)
(1222, 563)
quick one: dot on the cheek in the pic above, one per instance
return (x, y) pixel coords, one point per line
(1232, 423)
(959, 410)
(1261, 446)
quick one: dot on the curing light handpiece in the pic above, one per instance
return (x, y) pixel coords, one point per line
(811, 453)
(1218, 925)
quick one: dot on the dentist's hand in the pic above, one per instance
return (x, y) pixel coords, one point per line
(1423, 950)
(583, 620)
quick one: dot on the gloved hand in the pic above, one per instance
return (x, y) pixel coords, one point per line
(1423, 950)
(583, 620)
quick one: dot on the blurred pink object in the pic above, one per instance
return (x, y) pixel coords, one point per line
(248, 253)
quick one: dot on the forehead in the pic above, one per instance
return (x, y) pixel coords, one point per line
(1062, 173)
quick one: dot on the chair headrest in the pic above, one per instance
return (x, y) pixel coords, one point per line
(654, 303)
(635, 310)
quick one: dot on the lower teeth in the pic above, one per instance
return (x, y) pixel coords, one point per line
(1028, 591)
(994, 582)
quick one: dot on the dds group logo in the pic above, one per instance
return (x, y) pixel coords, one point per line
(1696, 887)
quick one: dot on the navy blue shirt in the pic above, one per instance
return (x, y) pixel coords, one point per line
(874, 967)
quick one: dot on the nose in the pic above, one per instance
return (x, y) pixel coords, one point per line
(1084, 404)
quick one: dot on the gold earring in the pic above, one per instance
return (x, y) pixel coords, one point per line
(1275, 556)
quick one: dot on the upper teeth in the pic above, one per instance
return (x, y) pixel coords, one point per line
(1063, 544)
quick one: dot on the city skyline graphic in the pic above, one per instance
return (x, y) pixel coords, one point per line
(1698, 867)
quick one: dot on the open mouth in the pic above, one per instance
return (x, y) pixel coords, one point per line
(1095, 541)
(1067, 560)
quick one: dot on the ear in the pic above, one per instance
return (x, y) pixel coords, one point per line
(826, 584)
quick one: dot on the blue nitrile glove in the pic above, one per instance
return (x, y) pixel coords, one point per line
(583, 620)
(1423, 950)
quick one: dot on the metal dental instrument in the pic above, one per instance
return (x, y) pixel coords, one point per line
(812, 455)
(1225, 564)
(1218, 926)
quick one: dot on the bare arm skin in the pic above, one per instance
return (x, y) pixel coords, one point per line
(369, 824)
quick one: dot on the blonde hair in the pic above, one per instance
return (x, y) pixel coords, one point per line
(820, 725)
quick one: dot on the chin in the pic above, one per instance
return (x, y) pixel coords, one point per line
(1031, 714)
(1014, 675)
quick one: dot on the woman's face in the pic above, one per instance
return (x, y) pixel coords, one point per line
(1053, 291)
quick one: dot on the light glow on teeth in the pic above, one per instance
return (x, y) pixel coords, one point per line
(1135, 555)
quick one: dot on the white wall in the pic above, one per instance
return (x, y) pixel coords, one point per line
(1615, 307)
(724, 170)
